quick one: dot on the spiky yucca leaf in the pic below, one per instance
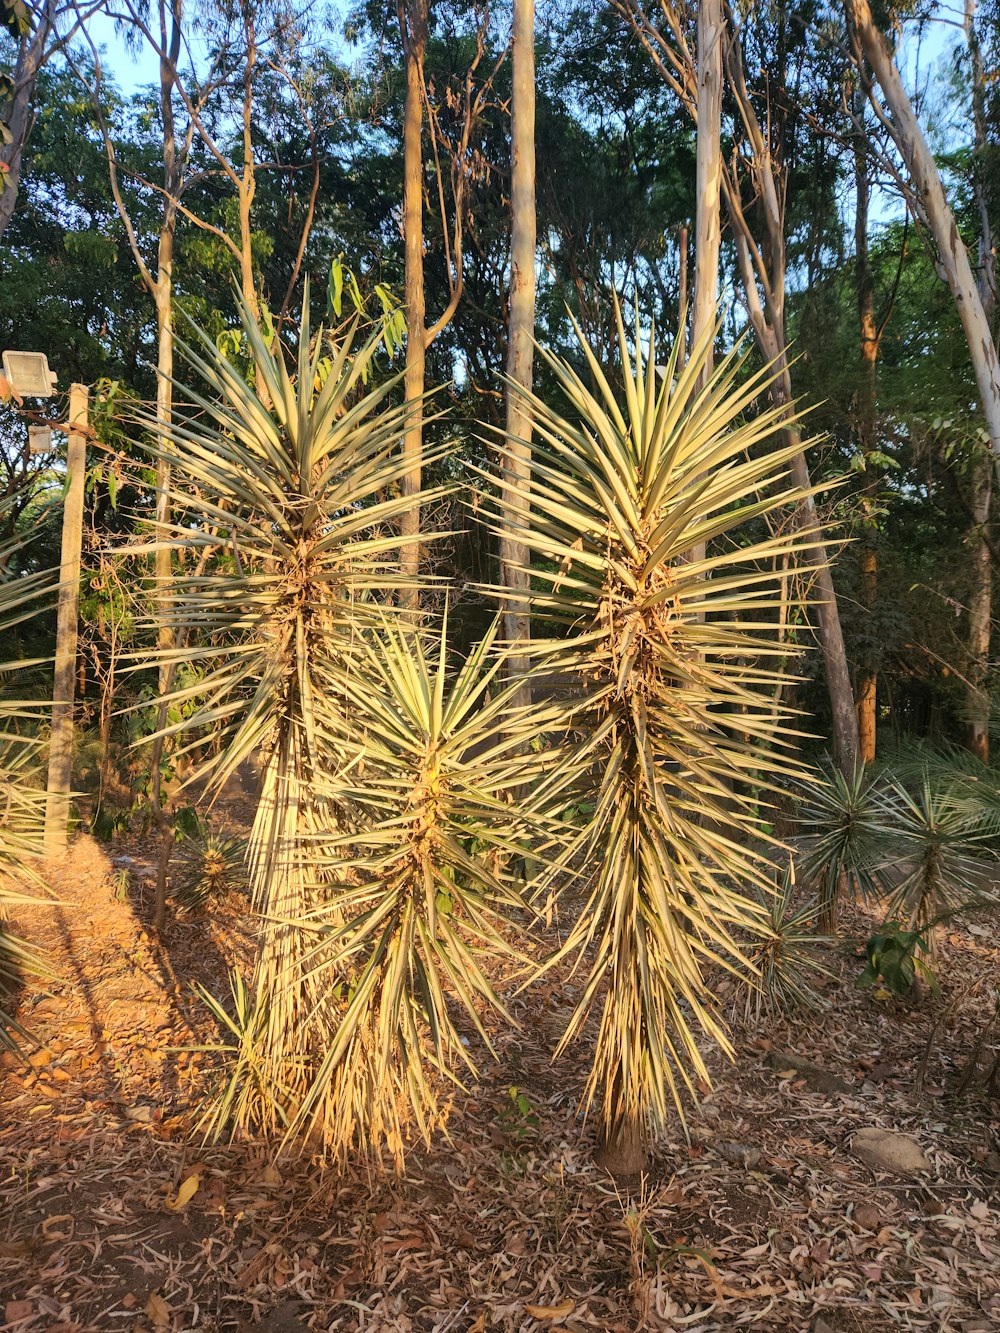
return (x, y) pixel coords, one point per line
(207, 865)
(22, 786)
(787, 958)
(423, 889)
(945, 858)
(287, 497)
(677, 657)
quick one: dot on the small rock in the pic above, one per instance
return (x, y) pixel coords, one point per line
(885, 1150)
(868, 1216)
(741, 1154)
(817, 1078)
(283, 1319)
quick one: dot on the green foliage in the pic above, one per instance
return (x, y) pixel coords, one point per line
(894, 959)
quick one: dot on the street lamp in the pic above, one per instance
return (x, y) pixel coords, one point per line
(28, 375)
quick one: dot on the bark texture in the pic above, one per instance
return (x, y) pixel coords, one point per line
(413, 27)
(953, 261)
(31, 52)
(514, 556)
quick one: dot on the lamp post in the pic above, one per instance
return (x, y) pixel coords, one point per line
(28, 375)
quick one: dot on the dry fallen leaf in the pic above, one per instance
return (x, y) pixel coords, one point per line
(157, 1309)
(186, 1191)
(14, 1311)
(550, 1312)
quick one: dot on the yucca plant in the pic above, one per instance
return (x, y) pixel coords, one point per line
(22, 785)
(677, 657)
(848, 835)
(425, 889)
(287, 494)
(207, 865)
(945, 860)
(787, 957)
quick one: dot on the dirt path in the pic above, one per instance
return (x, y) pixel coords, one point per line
(766, 1219)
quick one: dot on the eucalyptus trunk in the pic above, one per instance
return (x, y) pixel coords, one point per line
(953, 263)
(413, 25)
(977, 706)
(30, 56)
(163, 299)
(514, 553)
(708, 220)
(867, 701)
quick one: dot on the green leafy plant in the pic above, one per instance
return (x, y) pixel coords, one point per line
(896, 957)
(677, 655)
(945, 855)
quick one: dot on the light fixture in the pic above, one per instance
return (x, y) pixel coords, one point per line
(39, 439)
(28, 374)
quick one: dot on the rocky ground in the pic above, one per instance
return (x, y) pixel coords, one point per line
(793, 1205)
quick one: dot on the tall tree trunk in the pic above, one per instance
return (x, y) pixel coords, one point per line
(708, 219)
(514, 555)
(978, 539)
(413, 25)
(953, 258)
(171, 20)
(980, 609)
(30, 56)
(868, 677)
(248, 176)
(682, 297)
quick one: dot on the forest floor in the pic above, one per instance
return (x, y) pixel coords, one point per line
(764, 1218)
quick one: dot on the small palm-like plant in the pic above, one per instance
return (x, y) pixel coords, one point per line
(207, 865)
(847, 836)
(787, 958)
(945, 860)
(677, 659)
(287, 495)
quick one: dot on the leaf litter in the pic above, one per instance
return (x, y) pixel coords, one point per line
(111, 1218)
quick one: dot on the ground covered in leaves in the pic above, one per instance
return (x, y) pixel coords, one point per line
(766, 1217)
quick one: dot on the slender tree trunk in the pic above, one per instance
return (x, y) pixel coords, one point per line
(413, 24)
(30, 56)
(980, 609)
(163, 297)
(953, 258)
(981, 598)
(708, 219)
(514, 554)
(868, 678)
(682, 297)
(248, 177)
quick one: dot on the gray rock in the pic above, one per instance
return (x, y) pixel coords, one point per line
(885, 1150)
(817, 1078)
